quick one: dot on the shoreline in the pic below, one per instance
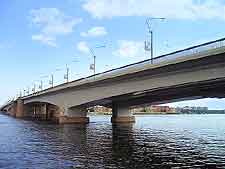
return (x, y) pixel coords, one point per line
(157, 113)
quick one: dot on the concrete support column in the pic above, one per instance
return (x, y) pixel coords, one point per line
(45, 111)
(19, 108)
(121, 114)
(74, 115)
(12, 110)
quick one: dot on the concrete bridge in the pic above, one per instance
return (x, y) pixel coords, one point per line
(192, 73)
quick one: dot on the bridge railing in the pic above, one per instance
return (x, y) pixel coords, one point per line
(191, 51)
(195, 50)
(6, 103)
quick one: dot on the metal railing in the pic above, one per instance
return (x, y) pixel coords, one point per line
(191, 51)
(6, 103)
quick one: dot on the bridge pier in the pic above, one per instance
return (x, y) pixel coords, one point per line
(12, 110)
(74, 115)
(121, 114)
(19, 112)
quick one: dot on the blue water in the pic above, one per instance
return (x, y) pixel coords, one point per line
(156, 141)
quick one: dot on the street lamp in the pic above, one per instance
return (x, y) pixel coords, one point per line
(28, 90)
(41, 85)
(66, 76)
(34, 88)
(20, 94)
(51, 81)
(93, 66)
(150, 31)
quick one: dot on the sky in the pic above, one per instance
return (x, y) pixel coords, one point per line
(40, 38)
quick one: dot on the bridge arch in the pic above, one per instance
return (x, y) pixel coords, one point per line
(42, 110)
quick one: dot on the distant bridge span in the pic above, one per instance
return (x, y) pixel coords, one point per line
(192, 73)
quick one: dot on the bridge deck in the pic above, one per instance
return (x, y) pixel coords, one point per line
(196, 52)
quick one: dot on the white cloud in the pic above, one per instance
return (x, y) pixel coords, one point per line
(45, 39)
(83, 47)
(130, 49)
(95, 32)
(52, 23)
(172, 9)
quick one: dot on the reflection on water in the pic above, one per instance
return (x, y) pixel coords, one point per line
(173, 141)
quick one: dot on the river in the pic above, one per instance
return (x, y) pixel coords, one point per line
(154, 141)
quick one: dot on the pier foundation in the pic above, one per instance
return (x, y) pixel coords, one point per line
(74, 115)
(121, 114)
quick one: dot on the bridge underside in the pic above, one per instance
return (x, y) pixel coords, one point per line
(209, 89)
(190, 91)
(121, 104)
(41, 111)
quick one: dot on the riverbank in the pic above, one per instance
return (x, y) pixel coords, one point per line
(164, 113)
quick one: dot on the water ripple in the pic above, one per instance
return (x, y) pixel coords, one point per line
(162, 142)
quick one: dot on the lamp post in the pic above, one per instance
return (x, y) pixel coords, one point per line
(51, 81)
(93, 66)
(34, 88)
(150, 31)
(66, 76)
(41, 85)
(28, 90)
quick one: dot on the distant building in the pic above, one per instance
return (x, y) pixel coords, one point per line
(202, 108)
(138, 109)
(163, 109)
(154, 109)
(193, 109)
(100, 110)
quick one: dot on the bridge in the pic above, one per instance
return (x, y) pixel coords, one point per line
(192, 73)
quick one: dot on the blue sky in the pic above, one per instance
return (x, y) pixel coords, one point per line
(39, 38)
